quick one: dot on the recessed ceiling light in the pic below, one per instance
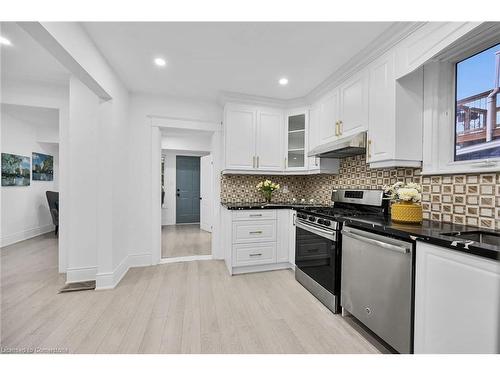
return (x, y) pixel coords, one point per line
(160, 62)
(283, 81)
(4, 41)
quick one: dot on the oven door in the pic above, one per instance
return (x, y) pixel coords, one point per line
(317, 256)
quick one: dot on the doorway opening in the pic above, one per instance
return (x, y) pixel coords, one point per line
(34, 113)
(187, 177)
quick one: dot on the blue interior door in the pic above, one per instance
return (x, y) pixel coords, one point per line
(188, 189)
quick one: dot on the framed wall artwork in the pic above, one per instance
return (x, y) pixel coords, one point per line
(15, 170)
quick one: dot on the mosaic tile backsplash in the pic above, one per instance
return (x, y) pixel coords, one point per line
(472, 199)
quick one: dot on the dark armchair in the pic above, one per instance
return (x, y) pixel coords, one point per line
(53, 200)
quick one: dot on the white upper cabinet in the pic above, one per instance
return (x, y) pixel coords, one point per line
(295, 158)
(394, 116)
(353, 104)
(240, 137)
(328, 117)
(342, 112)
(381, 110)
(269, 141)
(253, 138)
(317, 164)
(314, 127)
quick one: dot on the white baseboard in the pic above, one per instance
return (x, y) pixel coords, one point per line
(185, 259)
(25, 235)
(109, 280)
(261, 268)
(74, 275)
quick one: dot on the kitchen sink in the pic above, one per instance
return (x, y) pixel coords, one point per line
(483, 237)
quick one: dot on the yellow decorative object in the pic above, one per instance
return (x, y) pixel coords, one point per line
(406, 212)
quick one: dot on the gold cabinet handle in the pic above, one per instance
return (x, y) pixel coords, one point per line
(286, 162)
(257, 161)
(341, 127)
(256, 232)
(369, 149)
(337, 129)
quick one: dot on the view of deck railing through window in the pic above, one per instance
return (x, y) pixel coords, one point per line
(477, 124)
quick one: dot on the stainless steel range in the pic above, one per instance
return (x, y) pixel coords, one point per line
(318, 241)
(370, 274)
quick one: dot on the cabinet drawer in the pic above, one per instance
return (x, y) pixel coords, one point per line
(254, 214)
(254, 231)
(251, 254)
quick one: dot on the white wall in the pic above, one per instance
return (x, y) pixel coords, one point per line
(140, 203)
(189, 141)
(81, 198)
(25, 212)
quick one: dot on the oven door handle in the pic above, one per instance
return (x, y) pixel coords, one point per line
(371, 241)
(318, 231)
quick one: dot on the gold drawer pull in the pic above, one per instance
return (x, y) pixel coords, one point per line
(256, 232)
(255, 255)
(255, 215)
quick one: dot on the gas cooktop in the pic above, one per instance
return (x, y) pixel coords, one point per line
(367, 204)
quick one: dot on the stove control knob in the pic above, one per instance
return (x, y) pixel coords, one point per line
(326, 222)
(321, 221)
(312, 218)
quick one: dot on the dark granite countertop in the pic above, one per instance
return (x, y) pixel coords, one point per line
(263, 206)
(429, 231)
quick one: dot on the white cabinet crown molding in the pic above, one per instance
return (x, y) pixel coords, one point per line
(385, 41)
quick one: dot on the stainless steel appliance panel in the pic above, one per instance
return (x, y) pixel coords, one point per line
(317, 263)
(376, 285)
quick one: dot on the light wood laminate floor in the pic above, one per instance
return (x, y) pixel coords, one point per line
(185, 240)
(190, 307)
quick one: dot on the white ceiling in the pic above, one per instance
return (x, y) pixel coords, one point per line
(25, 59)
(207, 58)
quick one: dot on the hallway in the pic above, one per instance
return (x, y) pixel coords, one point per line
(185, 240)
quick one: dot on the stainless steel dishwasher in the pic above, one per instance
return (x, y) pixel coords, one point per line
(377, 285)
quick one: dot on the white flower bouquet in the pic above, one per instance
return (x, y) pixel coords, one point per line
(401, 192)
(405, 199)
(267, 188)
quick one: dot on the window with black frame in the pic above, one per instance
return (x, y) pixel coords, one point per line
(477, 106)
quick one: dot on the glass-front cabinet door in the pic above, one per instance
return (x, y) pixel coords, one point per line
(296, 145)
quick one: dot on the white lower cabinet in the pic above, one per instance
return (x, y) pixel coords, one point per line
(457, 302)
(254, 253)
(258, 240)
(254, 231)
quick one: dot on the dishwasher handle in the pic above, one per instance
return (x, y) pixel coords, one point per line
(385, 245)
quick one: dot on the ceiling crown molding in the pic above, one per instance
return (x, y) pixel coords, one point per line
(385, 41)
(227, 96)
(482, 37)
